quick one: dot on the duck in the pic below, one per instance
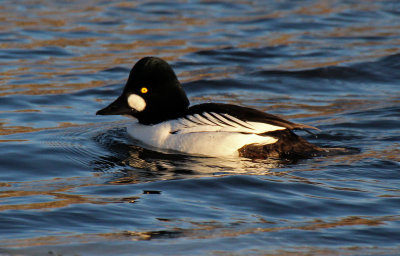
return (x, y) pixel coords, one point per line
(164, 119)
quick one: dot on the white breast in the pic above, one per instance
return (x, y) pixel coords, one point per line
(207, 134)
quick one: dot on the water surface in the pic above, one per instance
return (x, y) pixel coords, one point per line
(73, 183)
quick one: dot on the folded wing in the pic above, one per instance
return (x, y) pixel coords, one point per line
(231, 118)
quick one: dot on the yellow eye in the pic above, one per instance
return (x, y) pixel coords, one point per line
(144, 90)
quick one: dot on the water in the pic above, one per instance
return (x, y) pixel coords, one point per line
(72, 183)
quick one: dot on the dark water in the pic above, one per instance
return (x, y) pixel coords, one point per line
(72, 183)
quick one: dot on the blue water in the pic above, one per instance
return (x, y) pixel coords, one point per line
(73, 183)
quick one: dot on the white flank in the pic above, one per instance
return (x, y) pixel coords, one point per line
(209, 134)
(136, 102)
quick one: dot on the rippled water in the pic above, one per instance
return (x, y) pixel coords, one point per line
(72, 183)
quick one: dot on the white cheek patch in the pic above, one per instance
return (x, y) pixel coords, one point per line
(136, 102)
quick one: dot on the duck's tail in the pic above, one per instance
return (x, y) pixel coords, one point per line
(290, 146)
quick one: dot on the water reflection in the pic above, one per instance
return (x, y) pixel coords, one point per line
(139, 164)
(207, 230)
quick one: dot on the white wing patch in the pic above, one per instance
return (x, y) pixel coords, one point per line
(215, 122)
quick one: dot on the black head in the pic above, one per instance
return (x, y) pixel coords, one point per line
(152, 93)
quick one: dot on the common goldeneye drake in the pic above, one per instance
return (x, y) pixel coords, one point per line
(154, 96)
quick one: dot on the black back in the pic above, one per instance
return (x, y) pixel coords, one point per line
(245, 114)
